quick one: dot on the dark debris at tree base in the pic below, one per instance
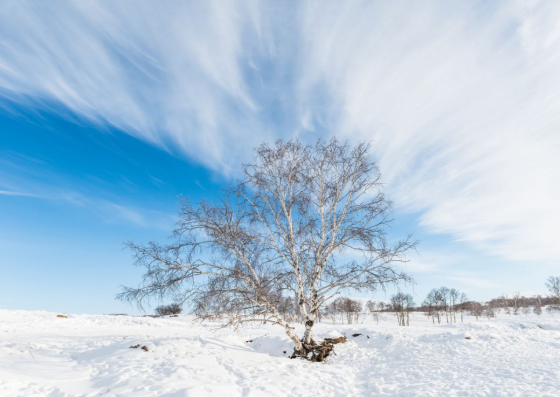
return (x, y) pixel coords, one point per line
(145, 348)
(318, 352)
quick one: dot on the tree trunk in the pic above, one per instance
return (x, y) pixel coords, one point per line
(291, 335)
(308, 331)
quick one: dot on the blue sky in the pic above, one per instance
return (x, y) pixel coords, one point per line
(111, 110)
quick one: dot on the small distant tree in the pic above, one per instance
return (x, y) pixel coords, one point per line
(376, 317)
(287, 308)
(345, 307)
(331, 310)
(553, 285)
(504, 304)
(516, 300)
(354, 310)
(537, 308)
(446, 301)
(402, 305)
(476, 310)
(462, 303)
(429, 306)
(454, 296)
(489, 311)
(433, 304)
(166, 310)
(443, 301)
(372, 308)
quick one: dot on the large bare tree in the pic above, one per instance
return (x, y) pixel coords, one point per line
(306, 222)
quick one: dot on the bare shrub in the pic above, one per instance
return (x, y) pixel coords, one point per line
(167, 310)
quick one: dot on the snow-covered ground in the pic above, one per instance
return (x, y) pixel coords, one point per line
(90, 355)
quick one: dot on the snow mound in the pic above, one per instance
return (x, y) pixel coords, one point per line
(278, 346)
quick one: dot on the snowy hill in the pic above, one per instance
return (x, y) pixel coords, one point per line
(91, 355)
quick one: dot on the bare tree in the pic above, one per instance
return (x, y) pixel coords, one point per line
(345, 307)
(502, 303)
(445, 298)
(331, 310)
(288, 228)
(553, 285)
(537, 307)
(402, 305)
(476, 310)
(352, 308)
(454, 296)
(432, 304)
(516, 300)
(462, 304)
(489, 311)
(441, 301)
(372, 307)
(429, 306)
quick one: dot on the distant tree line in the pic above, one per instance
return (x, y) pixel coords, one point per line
(441, 305)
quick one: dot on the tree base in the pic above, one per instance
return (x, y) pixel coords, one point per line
(317, 352)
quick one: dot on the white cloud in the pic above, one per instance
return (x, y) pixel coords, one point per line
(462, 103)
(474, 281)
(46, 185)
(110, 212)
(427, 260)
(169, 73)
(17, 193)
(460, 98)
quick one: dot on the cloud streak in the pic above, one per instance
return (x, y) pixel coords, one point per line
(461, 99)
(462, 103)
(171, 74)
(45, 184)
(17, 194)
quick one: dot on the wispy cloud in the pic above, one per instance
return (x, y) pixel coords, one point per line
(474, 281)
(429, 261)
(461, 99)
(111, 212)
(17, 194)
(171, 74)
(54, 189)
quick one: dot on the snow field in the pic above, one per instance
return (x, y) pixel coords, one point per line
(90, 355)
